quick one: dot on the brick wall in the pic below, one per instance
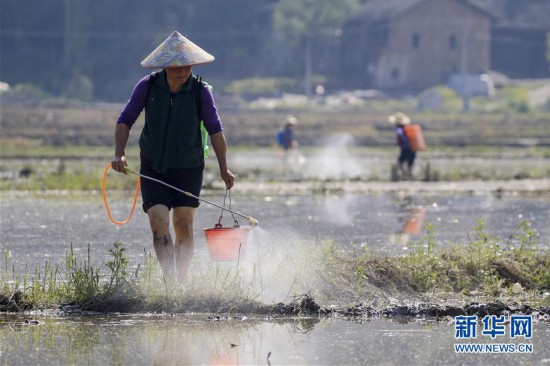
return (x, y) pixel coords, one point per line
(419, 47)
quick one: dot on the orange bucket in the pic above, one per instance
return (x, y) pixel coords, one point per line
(226, 243)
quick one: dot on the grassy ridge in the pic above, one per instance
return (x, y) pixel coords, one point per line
(486, 267)
(66, 148)
(95, 127)
(76, 167)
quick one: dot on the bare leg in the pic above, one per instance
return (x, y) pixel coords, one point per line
(401, 168)
(159, 219)
(185, 243)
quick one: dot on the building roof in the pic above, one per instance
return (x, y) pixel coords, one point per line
(522, 14)
(379, 10)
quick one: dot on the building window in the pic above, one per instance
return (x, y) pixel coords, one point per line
(416, 40)
(395, 73)
(452, 42)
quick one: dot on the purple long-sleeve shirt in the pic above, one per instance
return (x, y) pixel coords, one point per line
(402, 139)
(209, 112)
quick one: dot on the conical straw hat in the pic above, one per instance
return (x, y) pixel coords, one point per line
(399, 118)
(291, 120)
(176, 50)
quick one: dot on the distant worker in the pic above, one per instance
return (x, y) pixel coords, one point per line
(285, 136)
(409, 140)
(287, 141)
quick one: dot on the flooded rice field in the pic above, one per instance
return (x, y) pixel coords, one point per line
(40, 228)
(195, 340)
(281, 260)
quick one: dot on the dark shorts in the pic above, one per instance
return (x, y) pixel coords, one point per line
(407, 155)
(154, 193)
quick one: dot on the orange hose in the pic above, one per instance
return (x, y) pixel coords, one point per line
(104, 195)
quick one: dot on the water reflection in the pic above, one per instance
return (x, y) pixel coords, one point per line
(412, 225)
(192, 339)
(224, 343)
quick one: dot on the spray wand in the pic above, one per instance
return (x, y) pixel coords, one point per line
(252, 221)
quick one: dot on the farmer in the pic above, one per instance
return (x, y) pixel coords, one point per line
(292, 156)
(286, 137)
(406, 155)
(171, 146)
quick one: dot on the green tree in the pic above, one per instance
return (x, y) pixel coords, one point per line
(306, 23)
(91, 49)
(232, 31)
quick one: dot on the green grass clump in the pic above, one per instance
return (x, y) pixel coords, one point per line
(262, 86)
(485, 267)
(70, 178)
(81, 283)
(112, 287)
(515, 99)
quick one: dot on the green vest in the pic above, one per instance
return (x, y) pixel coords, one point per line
(171, 137)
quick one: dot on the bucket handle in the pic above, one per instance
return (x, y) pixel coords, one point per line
(235, 222)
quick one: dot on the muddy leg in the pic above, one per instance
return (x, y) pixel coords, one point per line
(409, 170)
(159, 219)
(185, 244)
(401, 168)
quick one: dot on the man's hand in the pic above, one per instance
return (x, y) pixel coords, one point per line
(119, 164)
(228, 178)
(220, 148)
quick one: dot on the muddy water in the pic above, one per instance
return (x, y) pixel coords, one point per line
(193, 339)
(38, 228)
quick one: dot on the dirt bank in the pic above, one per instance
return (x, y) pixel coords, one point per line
(525, 186)
(307, 305)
